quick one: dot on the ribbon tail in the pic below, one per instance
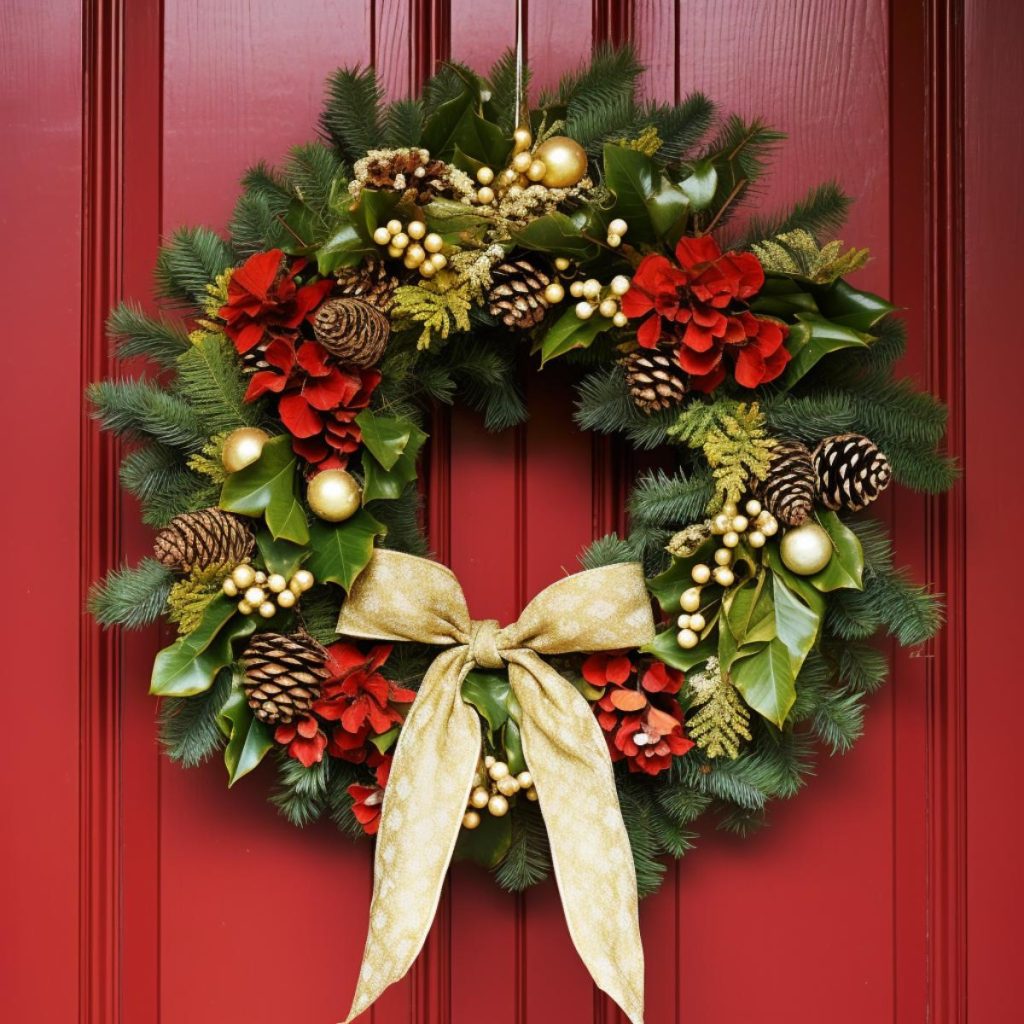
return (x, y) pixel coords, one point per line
(424, 802)
(568, 758)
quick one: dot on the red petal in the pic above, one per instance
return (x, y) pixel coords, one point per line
(628, 700)
(308, 727)
(650, 331)
(691, 252)
(298, 417)
(264, 381)
(257, 273)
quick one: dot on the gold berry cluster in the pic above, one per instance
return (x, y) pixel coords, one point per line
(754, 525)
(558, 162)
(598, 298)
(616, 229)
(492, 788)
(265, 593)
(417, 248)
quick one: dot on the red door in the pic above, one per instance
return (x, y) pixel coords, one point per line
(135, 892)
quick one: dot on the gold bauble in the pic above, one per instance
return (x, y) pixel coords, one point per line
(333, 495)
(565, 160)
(471, 820)
(806, 549)
(243, 447)
(479, 797)
(498, 805)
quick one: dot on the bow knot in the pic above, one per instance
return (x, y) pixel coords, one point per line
(404, 598)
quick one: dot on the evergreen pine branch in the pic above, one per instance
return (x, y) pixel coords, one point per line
(636, 815)
(501, 107)
(484, 377)
(528, 860)
(909, 611)
(135, 334)
(681, 802)
(610, 77)
(301, 794)
(131, 597)
(671, 502)
(680, 127)
(255, 225)
(608, 550)
(821, 212)
(312, 172)
(352, 116)
(319, 611)
(742, 822)
(269, 184)
(839, 721)
(861, 667)
(339, 802)
(190, 261)
(740, 153)
(449, 83)
(668, 833)
(188, 726)
(155, 473)
(401, 516)
(648, 542)
(815, 679)
(403, 123)
(604, 405)
(187, 493)
(210, 378)
(141, 410)
(851, 616)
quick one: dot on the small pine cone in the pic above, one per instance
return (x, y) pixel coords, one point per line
(408, 171)
(353, 330)
(655, 380)
(283, 675)
(851, 471)
(516, 297)
(789, 489)
(372, 282)
(199, 540)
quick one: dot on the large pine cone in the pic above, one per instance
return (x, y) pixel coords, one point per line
(198, 540)
(789, 489)
(372, 282)
(851, 471)
(516, 297)
(408, 171)
(283, 675)
(353, 330)
(655, 380)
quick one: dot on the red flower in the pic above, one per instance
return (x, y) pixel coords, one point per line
(368, 800)
(699, 305)
(264, 302)
(359, 699)
(305, 740)
(644, 722)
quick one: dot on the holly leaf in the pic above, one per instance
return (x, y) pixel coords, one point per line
(442, 130)
(845, 569)
(352, 242)
(559, 234)
(456, 222)
(644, 196)
(481, 140)
(385, 436)
(488, 692)
(812, 337)
(387, 484)
(701, 185)
(844, 304)
(340, 551)
(668, 587)
(569, 332)
(248, 738)
(486, 844)
(767, 680)
(280, 556)
(190, 664)
(269, 488)
(665, 647)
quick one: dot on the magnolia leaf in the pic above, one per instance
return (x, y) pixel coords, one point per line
(800, 585)
(558, 234)
(845, 569)
(811, 338)
(512, 741)
(345, 248)
(486, 844)
(191, 663)
(767, 680)
(796, 625)
(280, 556)
(482, 141)
(269, 488)
(668, 587)
(569, 332)
(456, 222)
(385, 436)
(444, 127)
(488, 692)
(248, 738)
(340, 551)
(644, 197)
(387, 484)
(701, 185)
(750, 613)
(851, 307)
(665, 647)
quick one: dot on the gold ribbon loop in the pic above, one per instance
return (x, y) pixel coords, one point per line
(402, 597)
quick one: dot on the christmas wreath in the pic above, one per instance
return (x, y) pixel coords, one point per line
(410, 258)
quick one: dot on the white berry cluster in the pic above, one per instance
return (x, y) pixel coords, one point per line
(598, 298)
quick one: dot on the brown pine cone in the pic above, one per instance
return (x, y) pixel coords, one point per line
(655, 380)
(353, 330)
(789, 489)
(408, 171)
(283, 675)
(516, 297)
(198, 540)
(372, 282)
(851, 471)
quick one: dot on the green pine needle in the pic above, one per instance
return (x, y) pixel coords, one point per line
(135, 334)
(528, 860)
(822, 212)
(301, 794)
(188, 725)
(142, 410)
(189, 262)
(352, 116)
(210, 378)
(131, 597)
(604, 406)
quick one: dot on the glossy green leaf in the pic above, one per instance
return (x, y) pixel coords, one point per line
(644, 197)
(441, 131)
(800, 585)
(388, 484)
(557, 234)
(384, 741)
(767, 680)
(456, 222)
(749, 613)
(385, 436)
(248, 738)
(851, 307)
(269, 488)
(340, 551)
(352, 242)
(811, 338)
(281, 556)
(569, 332)
(190, 664)
(845, 570)
(667, 588)
(796, 625)
(512, 742)
(699, 188)
(488, 692)
(481, 140)
(666, 648)
(488, 843)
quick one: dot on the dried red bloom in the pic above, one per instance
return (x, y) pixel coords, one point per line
(643, 720)
(368, 800)
(305, 740)
(699, 305)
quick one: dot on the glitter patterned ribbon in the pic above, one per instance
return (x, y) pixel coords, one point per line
(401, 597)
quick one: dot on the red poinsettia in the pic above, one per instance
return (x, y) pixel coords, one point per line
(368, 800)
(265, 303)
(699, 306)
(643, 720)
(305, 740)
(359, 699)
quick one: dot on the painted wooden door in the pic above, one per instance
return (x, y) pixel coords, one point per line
(137, 893)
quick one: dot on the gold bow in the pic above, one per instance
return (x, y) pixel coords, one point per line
(402, 597)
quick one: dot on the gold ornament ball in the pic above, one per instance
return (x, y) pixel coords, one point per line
(255, 596)
(770, 528)
(724, 576)
(576, 289)
(618, 227)
(485, 175)
(720, 524)
(229, 587)
(730, 509)
(394, 226)
(531, 794)
(470, 820)
(521, 162)
(243, 447)
(620, 319)
(243, 576)
(687, 639)
(303, 579)
(428, 268)
(697, 622)
(415, 255)
(479, 797)
(416, 229)
(608, 308)
(525, 780)
(584, 310)
(438, 260)
(614, 241)
(333, 495)
(740, 523)
(690, 601)
(806, 549)
(508, 786)
(756, 539)
(489, 760)
(276, 583)
(498, 770)
(244, 608)
(554, 293)
(700, 573)
(753, 507)
(723, 556)
(731, 539)
(485, 195)
(565, 161)
(267, 609)
(400, 241)
(286, 599)
(523, 139)
(382, 236)
(537, 170)
(498, 805)
(592, 289)
(261, 577)
(619, 284)
(683, 622)
(433, 242)
(562, 263)
(394, 252)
